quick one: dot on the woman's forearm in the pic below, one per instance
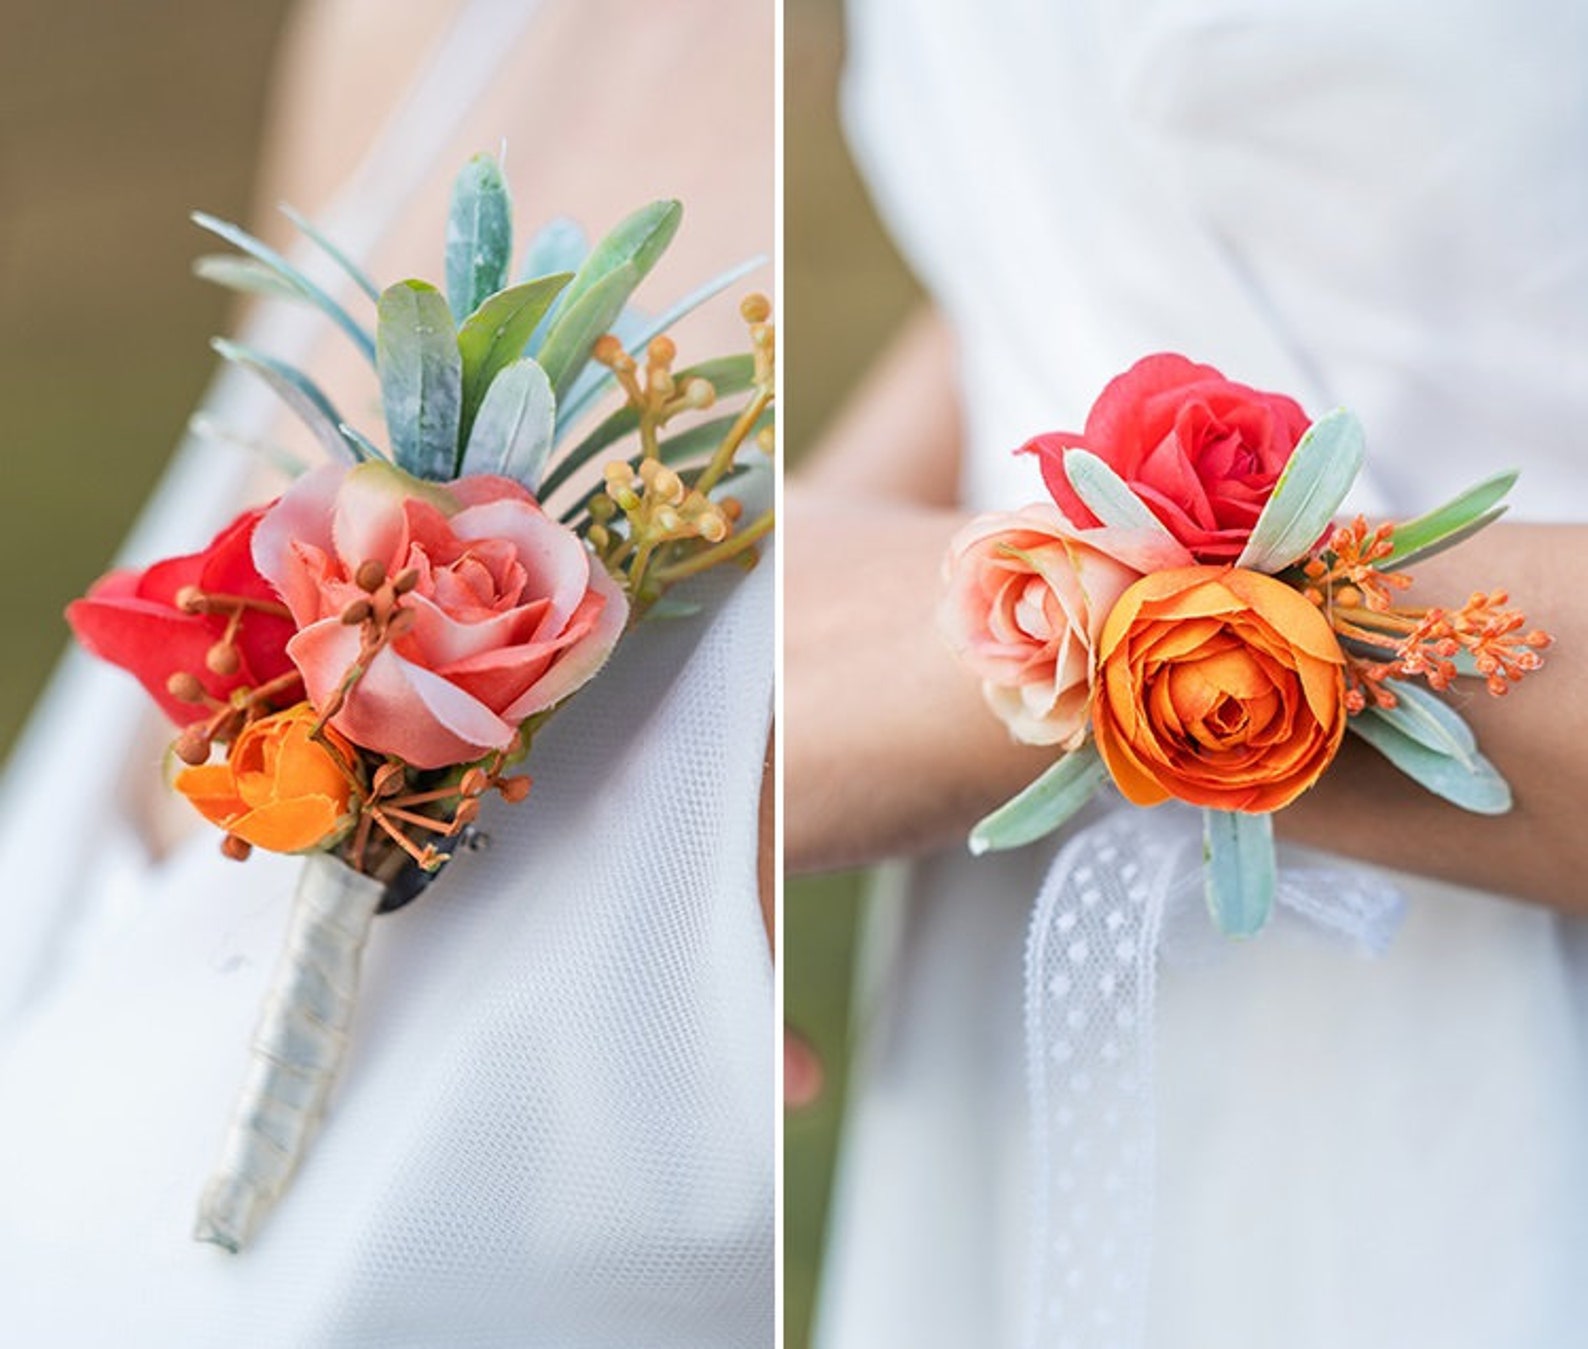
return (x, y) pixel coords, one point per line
(890, 749)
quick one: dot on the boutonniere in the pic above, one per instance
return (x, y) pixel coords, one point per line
(1187, 619)
(355, 665)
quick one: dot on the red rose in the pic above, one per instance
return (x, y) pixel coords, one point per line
(133, 619)
(1201, 451)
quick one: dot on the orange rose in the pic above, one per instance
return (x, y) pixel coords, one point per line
(278, 789)
(1220, 687)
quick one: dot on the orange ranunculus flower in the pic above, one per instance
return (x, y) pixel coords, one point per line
(278, 789)
(1221, 687)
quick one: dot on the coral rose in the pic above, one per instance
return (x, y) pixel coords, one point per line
(1219, 686)
(132, 619)
(1200, 450)
(278, 789)
(1026, 600)
(510, 611)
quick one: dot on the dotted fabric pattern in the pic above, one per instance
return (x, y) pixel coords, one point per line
(1124, 894)
(1090, 983)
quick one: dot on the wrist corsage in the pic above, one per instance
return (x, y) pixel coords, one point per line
(1187, 619)
(357, 664)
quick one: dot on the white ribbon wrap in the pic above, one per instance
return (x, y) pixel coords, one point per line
(1121, 894)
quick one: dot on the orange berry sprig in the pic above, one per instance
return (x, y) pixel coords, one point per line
(1343, 579)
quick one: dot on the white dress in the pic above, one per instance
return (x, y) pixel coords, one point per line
(555, 1129)
(1383, 206)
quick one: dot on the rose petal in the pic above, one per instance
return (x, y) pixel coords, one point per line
(580, 663)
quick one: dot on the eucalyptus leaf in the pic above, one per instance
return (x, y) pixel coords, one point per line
(1474, 785)
(245, 275)
(654, 328)
(356, 274)
(298, 392)
(1242, 874)
(1457, 519)
(601, 287)
(638, 240)
(218, 433)
(667, 607)
(495, 335)
(1430, 721)
(1415, 555)
(479, 236)
(1311, 488)
(512, 434)
(560, 245)
(421, 379)
(240, 238)
(1043, 806)
(361, 443)
(567, 346)
(1107, 495)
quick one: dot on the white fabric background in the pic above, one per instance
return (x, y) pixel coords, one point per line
(555, 1128)
(1382, 206)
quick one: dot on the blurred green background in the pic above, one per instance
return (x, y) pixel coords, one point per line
(845, 291)
(116, 120)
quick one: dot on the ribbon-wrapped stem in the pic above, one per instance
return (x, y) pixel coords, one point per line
(297, 1050)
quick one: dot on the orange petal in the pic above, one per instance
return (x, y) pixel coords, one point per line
(289, 826)
(211, 789)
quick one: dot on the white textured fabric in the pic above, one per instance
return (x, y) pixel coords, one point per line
(555, 1127)
(1381, 206)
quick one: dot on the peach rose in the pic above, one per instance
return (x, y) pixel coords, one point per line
(510, 611)
(1220, 687)
(278, 789)
(1026, 600)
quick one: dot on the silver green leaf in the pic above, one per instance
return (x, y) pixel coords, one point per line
(601, 287)
(356, 274)
(495, 335)
(512, 434)
(218, 433)
(479, 235)
(638, 239)
(362, 445)
(421, 379)
(1430, 721)
(653, 328)
(298, 392)
(1315, 481)
(560, 245)
(1107, 495)
(240, 238)
(1471, 782)
(1457, 519)
(1043, 806)
(567, 346)
(1242, 874)
(245, 275)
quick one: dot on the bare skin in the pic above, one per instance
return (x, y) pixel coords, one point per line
(891, 750)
